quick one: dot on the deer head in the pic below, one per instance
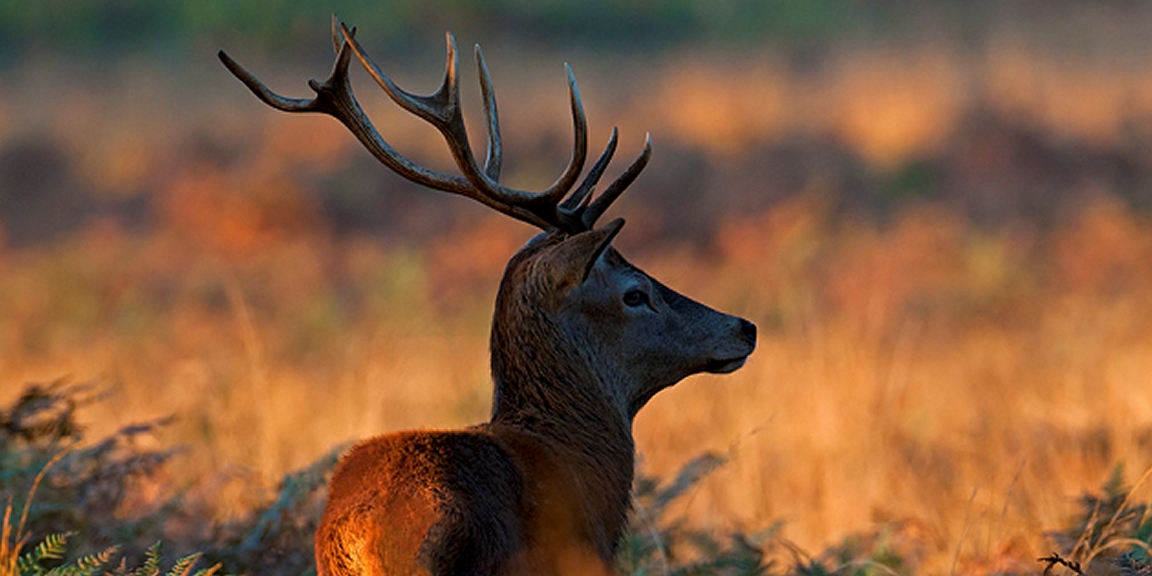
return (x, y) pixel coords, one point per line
(572, 311)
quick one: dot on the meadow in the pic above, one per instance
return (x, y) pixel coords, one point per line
(948, 252)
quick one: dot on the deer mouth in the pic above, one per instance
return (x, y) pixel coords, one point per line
(725, 366)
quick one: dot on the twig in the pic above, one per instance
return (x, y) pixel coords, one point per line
(1055, 559)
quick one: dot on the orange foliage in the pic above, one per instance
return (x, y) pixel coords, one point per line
(235, 214)
(893, 107)
(317, 142)
(724, 107)
(774, 235)
(1107, 250)
(876, 276)
(472, 257)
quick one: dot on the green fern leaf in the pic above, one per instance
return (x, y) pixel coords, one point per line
(151, 566)
(29, 565)
(90, 565)
(208, 571)
(184, 565)
(52, 547)
(68, 570)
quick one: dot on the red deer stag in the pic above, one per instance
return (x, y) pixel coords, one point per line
(581, 340)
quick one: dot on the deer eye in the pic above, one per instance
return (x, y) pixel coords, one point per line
(635, 298)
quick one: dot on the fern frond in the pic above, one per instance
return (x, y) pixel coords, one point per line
(151, 566)
(183, 566)
(29, 565)
(52, 547)
(89, 565)
(68, 570)
(94, 562)
(121, 569)
(208, 571)
(25, 566)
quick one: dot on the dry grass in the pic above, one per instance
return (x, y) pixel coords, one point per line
(961, 382)
(926, 373)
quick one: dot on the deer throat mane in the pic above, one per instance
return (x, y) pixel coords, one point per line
(538, 370)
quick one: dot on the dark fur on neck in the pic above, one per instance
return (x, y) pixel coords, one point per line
(546, 385)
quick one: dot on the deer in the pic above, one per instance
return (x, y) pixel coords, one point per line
(580, 341)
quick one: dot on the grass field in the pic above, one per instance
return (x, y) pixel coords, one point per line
(948, 253)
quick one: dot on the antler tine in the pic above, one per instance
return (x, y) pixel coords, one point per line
(262, 92)
(579, 199)
(494, 158)
(337, 42)
(439, 108)
(564, 183)
(617, 187)
(571, 210)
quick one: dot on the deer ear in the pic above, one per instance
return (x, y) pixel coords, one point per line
(570, 262)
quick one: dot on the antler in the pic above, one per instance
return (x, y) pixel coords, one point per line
(547, 209)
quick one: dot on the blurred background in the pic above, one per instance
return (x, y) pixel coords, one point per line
(937, 213)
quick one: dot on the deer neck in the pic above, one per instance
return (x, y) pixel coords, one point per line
(548, 386)
(547, 379)
(548, 389)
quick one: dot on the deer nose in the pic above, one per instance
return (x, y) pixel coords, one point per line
(748, 330)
